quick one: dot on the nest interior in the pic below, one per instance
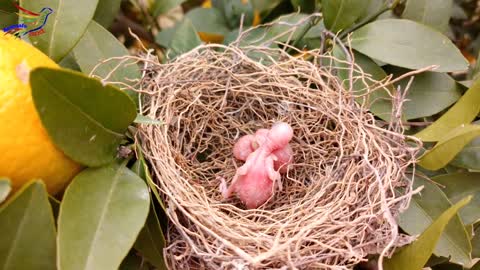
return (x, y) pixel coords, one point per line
(342, 192)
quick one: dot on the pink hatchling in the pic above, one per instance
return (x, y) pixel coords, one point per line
(264, 153)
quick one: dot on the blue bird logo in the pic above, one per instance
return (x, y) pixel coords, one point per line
(33, 22)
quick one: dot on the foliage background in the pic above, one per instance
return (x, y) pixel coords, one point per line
(113, 204)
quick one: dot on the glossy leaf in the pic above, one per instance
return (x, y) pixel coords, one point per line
(408, 44)
(106, 12)
(208, 21)
(476, 243)
(284, 28)
(27, 230)
(163, 6)
(448, 266)
(373, 7)
(315, 31)
(426, 208)
(307, 6)
(8, 14)
(64, 27)
(142, 171)
(415, 255)
(5, 188)
(69, 62)
(265, 5)
(165, 36)
(232, 12)
(83, 118)
(184, 39)
(379, 101)
(463, 112)
(7, 7)
(435, 14)
(429, 93)
(98, 44)
(134, 262)
(340, 14)
(446, 149)
(459, 185)
(469, 157)
(151, 242)
(107, 207)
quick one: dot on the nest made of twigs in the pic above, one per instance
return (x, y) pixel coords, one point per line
(342, 192)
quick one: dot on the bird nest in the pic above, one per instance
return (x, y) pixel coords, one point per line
(344, 188)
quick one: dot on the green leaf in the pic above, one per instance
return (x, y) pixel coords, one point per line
(426, 210)
(459, 185)
(208, 20)
(184, 39)
(165, 36)
(64, 27)
(316, 30)
(163, 6)
(463, 112)
(69, 62)
(8, 14)
(55, 204)
(142, 119)
(148, 177)
(134, 262)
(476, 243)
(98, 44)
(469, 157)
(446, 149)
(379, 101)
(284, 28)
(415, 255)
(408, 44)
(232, 12)
(101, 214)
(373, 8)
(435, 14)
(5, 188)
(340, 14)
(7, 7)
(151, 242)
(83, 118)
(448, 266)
(28, 230)
(429, 93)
(305, 6)
(265, 5)
(106, 12)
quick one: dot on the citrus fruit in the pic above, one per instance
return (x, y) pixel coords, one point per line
(26, 150)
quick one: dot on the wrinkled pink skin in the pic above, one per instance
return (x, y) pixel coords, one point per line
(254, 181)
(249, 143)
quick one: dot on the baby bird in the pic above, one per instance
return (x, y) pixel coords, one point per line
(249, 143)
(254, 181)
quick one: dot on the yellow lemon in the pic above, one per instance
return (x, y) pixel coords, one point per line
(26, 151)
